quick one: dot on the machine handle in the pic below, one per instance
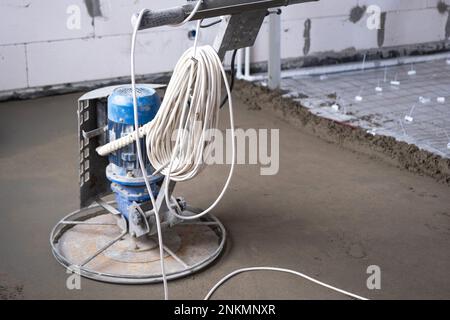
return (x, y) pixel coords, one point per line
(158, 18)
(208, 9)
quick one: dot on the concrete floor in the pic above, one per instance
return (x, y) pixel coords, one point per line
(329, 213)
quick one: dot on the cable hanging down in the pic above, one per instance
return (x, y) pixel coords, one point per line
(190, 110)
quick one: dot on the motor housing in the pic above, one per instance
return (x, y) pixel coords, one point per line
(123, 170)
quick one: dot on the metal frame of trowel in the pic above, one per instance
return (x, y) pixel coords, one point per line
(239, 27)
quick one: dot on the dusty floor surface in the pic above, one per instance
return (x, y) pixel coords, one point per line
(383, 111)
(328, 212)
(345, 133)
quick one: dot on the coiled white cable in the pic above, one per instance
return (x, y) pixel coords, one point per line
(190, 110)
(191, 105)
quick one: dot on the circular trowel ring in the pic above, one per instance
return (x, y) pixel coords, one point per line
(93, 211)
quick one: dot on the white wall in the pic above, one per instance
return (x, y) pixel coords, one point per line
(37, 49)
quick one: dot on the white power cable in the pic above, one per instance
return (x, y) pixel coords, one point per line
(200, 69)
(236, 272)
(191, 15)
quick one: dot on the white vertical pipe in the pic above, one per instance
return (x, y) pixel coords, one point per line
(274, 64)
(247, 62)
(239, 64)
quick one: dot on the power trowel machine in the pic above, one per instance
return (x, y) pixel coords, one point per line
(113, 237)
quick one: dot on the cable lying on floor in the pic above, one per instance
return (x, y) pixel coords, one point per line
(238, 271)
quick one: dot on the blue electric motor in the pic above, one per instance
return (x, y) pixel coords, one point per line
(123, 170)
